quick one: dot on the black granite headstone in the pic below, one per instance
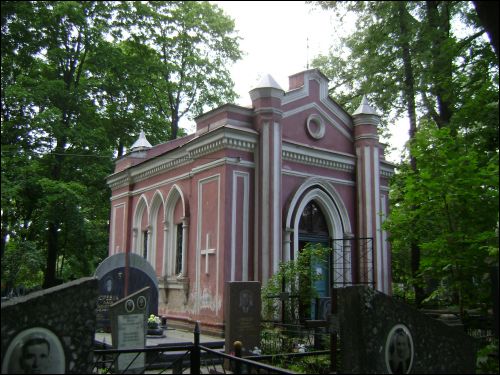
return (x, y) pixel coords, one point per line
(111, 275)
(58, 322)
(379, 334)
(242, 315)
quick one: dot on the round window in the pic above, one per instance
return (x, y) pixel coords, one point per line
(315, 126)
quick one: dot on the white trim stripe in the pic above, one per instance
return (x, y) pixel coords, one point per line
(233, 227)
(256, 217)
(376, 196)
(246, 226)
(287, 172)
(276, 231)
(265, 202)
(368, 203)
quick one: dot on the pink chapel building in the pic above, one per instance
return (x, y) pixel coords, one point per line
(248, 190)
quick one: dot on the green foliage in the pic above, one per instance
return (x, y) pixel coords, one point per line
(451, 206)
(274, 341)
(430, 60)
(186, 49)
(80, 79)
(277, 340)
(487, 359)
(22, 262)
(311, 365)
(296, 278)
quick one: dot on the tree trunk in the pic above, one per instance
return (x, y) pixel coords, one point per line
(175, 125)
(488, 14)
(441, 65)
(53, 226)
(120, 149)
(52, 247)
(409, 95)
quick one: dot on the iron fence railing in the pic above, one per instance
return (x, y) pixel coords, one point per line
(351, 262)
(352, 267)
(237, 365)
(289, 338)
(179, 359)
(314, 362)
(120, 361)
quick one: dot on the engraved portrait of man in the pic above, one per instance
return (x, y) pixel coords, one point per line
(34, 351)
(246, 301)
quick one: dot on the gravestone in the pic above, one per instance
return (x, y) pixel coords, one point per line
(128, 328)
(242, 315)
(323, 308)
(111, 275)
(58, 321)
(382, 335)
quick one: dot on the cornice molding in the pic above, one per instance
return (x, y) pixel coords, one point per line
(235, 139)
(268, 110)
(304, 175)
(233, 108)
(318, 158)
(219, 139)
(386, 171)
(366, 136)
(366, 119)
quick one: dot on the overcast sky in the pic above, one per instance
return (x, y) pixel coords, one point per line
(280, 38)
(275, 36)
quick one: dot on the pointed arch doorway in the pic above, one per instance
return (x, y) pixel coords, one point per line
(316, 213)
(313, 229)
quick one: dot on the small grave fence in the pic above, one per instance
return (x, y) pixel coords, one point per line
(308, 347)
(480, 327)
(315, 362)
(179, 359)
(290, 338)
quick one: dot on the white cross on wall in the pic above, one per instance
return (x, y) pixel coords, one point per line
(207, 252)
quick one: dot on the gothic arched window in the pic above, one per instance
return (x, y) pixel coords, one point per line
(312, 220)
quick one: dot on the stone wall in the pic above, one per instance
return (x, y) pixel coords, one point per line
(65, 312)
(366, 318)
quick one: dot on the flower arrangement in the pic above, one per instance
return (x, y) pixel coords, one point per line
(153, 321)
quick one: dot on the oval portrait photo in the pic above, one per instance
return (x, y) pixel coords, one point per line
(399, 350)
(34, 351)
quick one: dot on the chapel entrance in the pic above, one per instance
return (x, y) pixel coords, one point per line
(313, 228)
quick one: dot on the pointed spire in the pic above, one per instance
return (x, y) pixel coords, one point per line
(141, 143)
(364, 108)
(267, 81)
(266, 87)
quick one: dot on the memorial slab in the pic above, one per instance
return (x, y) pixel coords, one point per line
(242, 314)
(128, 328)
(58, 321)
(111, 274)
(382, 335)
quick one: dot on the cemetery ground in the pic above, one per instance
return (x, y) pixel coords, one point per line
(284, 349)
(366, 324)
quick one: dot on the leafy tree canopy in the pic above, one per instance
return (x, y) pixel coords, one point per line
(431, 61)
(80, 80)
